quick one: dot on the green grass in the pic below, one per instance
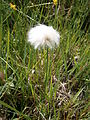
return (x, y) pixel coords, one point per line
(35, 85)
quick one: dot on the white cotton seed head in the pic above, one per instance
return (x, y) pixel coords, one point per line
(42, 35)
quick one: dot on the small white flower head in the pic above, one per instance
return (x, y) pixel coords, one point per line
(42, 35)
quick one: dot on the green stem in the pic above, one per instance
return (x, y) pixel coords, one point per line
(46, 79)
(0, 35)
(7, 51)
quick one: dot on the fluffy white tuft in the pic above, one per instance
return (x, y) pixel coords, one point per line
(42, 35)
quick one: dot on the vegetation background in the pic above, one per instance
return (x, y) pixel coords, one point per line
(24, 95)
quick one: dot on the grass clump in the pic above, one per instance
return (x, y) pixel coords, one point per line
(23, 94)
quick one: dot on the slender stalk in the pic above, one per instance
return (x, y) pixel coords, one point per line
(0, 35)
(46, 79)
(7, 51)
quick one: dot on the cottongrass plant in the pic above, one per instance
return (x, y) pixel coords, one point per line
(43, 36)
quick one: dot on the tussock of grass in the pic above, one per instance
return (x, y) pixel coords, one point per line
(24, 95)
